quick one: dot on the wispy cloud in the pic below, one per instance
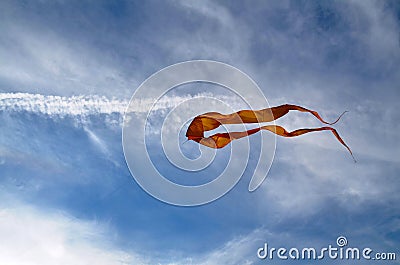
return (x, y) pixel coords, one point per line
(30, 236)
(88, 105)
(61, 106)
(239, 250)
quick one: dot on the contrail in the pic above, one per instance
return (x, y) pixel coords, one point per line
(81, 109)
(82, 105)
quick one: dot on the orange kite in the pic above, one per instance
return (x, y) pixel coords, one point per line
(212, 120)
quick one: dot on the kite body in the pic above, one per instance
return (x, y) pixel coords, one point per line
(212, 120)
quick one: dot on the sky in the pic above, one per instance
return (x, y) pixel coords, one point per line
(68, 70)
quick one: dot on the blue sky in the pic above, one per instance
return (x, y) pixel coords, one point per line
(68, 70)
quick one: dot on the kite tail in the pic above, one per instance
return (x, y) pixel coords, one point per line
(212, 120)
(282, 132)
(282, 110)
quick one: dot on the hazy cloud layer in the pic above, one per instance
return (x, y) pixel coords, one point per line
(62, 61)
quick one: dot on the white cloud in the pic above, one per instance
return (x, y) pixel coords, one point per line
(91, 104)
(310, 178)
(57, 105)
(228, 40)
(383, 32)
(38, 56)
(239, 250)
(66, 59)
(30, 237)
(96, 140)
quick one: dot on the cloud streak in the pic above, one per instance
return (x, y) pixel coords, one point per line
(30, 236)
(87, 105)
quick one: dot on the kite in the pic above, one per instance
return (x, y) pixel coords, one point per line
(212, 120)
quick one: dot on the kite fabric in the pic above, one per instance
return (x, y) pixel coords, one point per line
(212, 120)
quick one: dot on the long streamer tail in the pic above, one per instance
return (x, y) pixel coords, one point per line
(212, 120)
